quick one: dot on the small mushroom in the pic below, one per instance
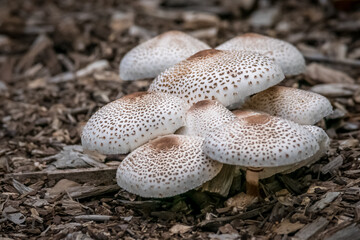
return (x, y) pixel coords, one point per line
(259, 142)
(226, 76)
(126, 123)
(285, 54)
(167, 166)
(150, 58)
(297, 105)
(204, 116)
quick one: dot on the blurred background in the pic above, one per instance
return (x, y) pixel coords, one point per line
(59, 63)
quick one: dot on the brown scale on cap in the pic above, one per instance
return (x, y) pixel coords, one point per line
(134, 95)
(297, 105)
(252, 35)
(243, 113)
(201, 104)
(159, 170)
(257, 119)
(204, 54)
(225, 76)
(164, 143)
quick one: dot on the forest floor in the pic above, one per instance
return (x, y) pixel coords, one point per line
(48, 92)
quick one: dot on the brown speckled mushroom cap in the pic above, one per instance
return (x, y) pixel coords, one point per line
(285, 54)
(126, 123)
(167, 166)
(204, 116)
(150, 58)
(323, 141)
(297, 105)
(260, 141)
(226, 76)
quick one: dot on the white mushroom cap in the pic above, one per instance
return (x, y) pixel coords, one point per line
(226, 76)
(167, 166)
(260, 141)
(150, 58)
(285, 54)
(204, 116)
(300, 106)
(126, 123)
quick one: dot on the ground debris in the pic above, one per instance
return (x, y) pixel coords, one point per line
(59, 64)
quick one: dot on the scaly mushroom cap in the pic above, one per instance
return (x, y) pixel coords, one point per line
(285, 54)
(150, 58)
(204, 116)
(260, 141)
(167, 166)
(126, 123)
(226, 76)
(297, 105)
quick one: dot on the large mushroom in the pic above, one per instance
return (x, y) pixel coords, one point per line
(226, 76)
(285, 54)
(259, 142)
(167, 166)
(150, 58)
(127, 123)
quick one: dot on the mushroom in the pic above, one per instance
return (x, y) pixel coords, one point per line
(126, 123)
(297, 105)
(259, 142)
(285, 54)
(319, 134)
(204, 116)
(226, 76)
(150, 58)
(201, 118)
(167, 166)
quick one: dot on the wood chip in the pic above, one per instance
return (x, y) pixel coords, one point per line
(286, 227)
(81, 175)
(312, 229)
(321, 204)
(333, 165)
(350, 232)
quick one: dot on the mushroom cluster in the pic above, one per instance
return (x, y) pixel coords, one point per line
(181, 133)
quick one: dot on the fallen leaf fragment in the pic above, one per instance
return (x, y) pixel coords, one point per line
(180, 229)
(286, 227)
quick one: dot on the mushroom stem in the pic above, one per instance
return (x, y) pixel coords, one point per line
(252, 181)
(222, 182)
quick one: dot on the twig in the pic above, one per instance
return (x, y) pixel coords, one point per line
(245, 215)
(80, 175)
(96, 218)
(321, 58)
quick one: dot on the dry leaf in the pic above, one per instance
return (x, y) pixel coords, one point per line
(326, 75)
(241, 200)
(180, 228)
(61, 186)
(287, 227)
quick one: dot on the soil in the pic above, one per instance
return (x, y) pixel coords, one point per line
(51, 189)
